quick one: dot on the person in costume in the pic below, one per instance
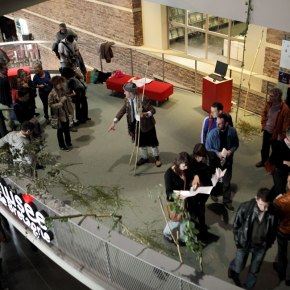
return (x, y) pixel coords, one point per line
(148, 137)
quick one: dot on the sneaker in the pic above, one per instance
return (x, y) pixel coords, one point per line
(47, 121)
(260, 164)
(231, 273)
(158, 161)
(168, 239)
(214, 198)
(142, 161)
(228, 206)
(64, 148)
(69, 145)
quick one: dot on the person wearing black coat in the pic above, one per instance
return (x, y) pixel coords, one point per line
(255, 228)
(203, 166)
(77, 89)
(22, 107)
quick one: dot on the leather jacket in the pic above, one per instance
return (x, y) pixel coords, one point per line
(283, 202)
(244, 220)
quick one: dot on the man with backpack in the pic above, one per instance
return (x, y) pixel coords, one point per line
(209, 122)
(68, 50)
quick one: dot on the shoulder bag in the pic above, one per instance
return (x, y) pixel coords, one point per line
(172, 215)
(54, 121)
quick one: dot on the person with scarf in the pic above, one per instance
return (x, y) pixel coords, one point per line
(61, 108)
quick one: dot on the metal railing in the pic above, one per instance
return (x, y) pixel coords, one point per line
(101, 258)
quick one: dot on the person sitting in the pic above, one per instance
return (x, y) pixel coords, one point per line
(178, 177)
(77, 90)
(203, 166)
(17, 140)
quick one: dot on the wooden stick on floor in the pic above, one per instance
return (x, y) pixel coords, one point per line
(134, 145)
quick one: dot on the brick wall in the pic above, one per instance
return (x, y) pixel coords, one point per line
(116, 24)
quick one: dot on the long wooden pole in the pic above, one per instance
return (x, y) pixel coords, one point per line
(249, 84)
(139, 110)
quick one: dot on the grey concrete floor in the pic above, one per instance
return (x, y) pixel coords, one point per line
(104, 158)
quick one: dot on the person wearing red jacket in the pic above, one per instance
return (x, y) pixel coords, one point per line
(283, 236)
(275, 120)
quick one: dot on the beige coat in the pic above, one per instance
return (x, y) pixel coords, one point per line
(57, 107)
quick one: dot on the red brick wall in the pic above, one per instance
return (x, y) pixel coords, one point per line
(119, 25)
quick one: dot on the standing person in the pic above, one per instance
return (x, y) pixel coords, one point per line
(64, 32)
(203, 166)
(41, 80)
(29, 85)
(5, 96)
(283, 236)
(275, 120)
(68, 49)
(209, 122)
(255, 229)
(22, 108)
(77, 90)
(61, 108)
(282, 165)
(224, 137)
(147, 123)
(177, 177)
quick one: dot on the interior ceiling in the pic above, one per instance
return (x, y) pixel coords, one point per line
(9, 6)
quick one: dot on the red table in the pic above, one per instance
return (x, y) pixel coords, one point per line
(216, 92)
(13, 72)
(157, 91)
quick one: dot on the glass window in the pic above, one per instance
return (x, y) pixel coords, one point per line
(216, 48)
(238, 29)
(196, 19)
(218, 24)
(176, 15)
(196, 43)
(176, 38)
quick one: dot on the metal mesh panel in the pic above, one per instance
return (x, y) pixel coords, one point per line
(109, 263)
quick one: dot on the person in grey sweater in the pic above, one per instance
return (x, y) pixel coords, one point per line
(64, 32)
(17, 140)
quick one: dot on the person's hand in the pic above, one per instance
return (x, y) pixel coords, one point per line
(195, 181)
(41, 86)
(112, 128)
(221, 157)
(180, 196)
(143, 115)
(62, 100)
(230, 152)
(286, 163)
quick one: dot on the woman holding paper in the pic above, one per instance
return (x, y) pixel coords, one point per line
(203, 166)
(178, 177)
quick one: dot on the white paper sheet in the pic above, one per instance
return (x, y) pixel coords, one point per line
(193, 192)
(218, 174)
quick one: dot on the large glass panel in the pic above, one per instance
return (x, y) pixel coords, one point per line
(176, 38)
(196, 43)
(196, 19)
(216, 46)
(176, 15)
(218, 24)
(238, 29)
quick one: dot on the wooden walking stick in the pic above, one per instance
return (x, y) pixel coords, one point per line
(134, 144)
(258, 49)
(139, 110)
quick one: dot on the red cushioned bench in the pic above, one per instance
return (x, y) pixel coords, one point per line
(157, 91)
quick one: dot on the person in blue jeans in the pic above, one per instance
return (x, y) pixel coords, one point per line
(255, 229)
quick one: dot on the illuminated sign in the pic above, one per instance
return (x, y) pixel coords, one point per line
(27, 213)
